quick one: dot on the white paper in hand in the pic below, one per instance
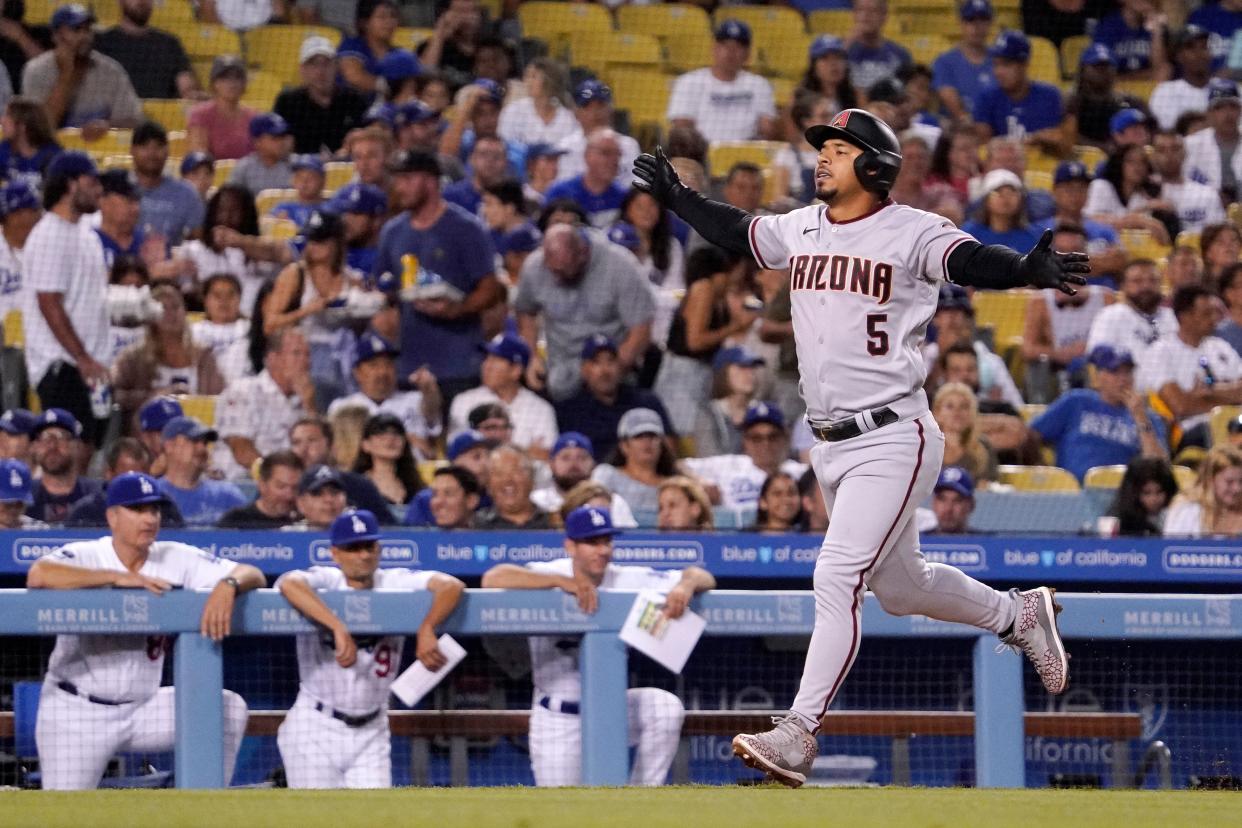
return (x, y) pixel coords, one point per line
(668, 641)
(417, 681)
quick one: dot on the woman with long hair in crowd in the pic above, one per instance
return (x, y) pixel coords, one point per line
(1146, 489)
(658, 250)
(1213, 508)
(641, 461)
(1221, 244)
(683, 506)
(386, 459)
(828, 74)
(348, 422)
(542, 117)
(230, 211)
(29, 144)
(956, 410)
(1126, 196)
(780, 505)
(735, 384)
(954, 161)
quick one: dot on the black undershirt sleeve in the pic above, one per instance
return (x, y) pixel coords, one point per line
(721, 224)
(989, 266)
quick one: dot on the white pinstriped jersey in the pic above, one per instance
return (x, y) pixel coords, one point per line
(363, 687)
(128, 667)
(863, 292)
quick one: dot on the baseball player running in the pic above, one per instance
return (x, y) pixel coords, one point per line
(102, 695)
(654, 715)
(336, 733)
(864, 275)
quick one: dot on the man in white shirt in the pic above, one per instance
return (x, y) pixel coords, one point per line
(102, 693)
(19, 211)
(1192, 371)
(65, 312)
(1197, 205)
(1135, 324)
(723, 101)
(1207, 148)
(533, 418)
(336, 734)
(1188, 92)
(654, 715)
(375, 371)
(594, 100)
(254, 414)
(765, 451)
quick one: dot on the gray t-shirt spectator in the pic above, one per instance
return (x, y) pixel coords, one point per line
(256, 176)
(644, 500)
(611, 298)
(172, 209)
(104, 94)
(339, 14)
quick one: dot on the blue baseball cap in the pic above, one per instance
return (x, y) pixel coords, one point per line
(354, 526)
(398, 65)
(492, 91)
(318, 476)
(596, 343)
(357, 197)
(592, 90)
(134, 489)
(413, 112)
(380, 112)
(1124, 119)
(589, 522)
(17, 421)
(572, 439)
(624, 234)
(826, 44)
(196, 159)
(57, 418)
(462, 442)
(184, 426)
(953, 297)
(1108, 358)
(15, 482)
(156, 414)
(522, 239)
(1070, 171)
(373, 345)
(732, 29)
(18, 194)
(508, 347)
(1011, 44)
(71, 164)
(541, 150)
(72, 14)
(976, 10)
(955, 479)
(1220, 90)
(268, 123)
(307, 162)
(1096, 54)
(736, 355)
(763, 412)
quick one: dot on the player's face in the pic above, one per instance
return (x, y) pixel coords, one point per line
(591, 556)
(309, 444)
(134, 526)
(358, 561)
(570, 466)
(1227, 486)
(952, 510)
(834, 172)
(677, 511)
(765, 444)
(377, 378)
(782, 502)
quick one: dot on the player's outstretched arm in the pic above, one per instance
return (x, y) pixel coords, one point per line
(719, 223)
(46, 574)
(306, 600)
(445, 592)
(996, 267)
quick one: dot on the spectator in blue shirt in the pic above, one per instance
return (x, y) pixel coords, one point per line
(29, 144)
(596, 190)
(962, 73)
(119, 207)
(444, 261)
(1002, 216)
(872, 56)
(170, 207)
(201, 500)
(1221, 19)
(1069, 193)
(376, 22)
(1107, 425)
(467, 451)
(308, 180)
(1017, 106)
(362, 208)
(1135, 34)
(488, 165)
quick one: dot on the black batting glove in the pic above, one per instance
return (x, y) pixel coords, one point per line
(656, 176)
(1044, 267)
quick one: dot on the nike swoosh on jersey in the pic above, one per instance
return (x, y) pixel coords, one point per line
(808, 230)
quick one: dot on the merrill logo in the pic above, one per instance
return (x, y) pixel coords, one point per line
(134, 609)
(357, 609)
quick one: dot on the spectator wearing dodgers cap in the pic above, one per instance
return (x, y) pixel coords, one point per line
(468, 450)
(953, 501)
(1135, 33)
(1018, 107)
(16, 427)
(15, 496)
(1205, 147)
(268, 166)
(19, 211)
(738, 478)
(58, 445)
(723, 101)
(1095, 100)
(571, 462)
(505, 359)
(594, 111)
(320, 113)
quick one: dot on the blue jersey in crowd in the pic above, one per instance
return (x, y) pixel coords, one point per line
(1040, 109)
(953, 69)
(602, 209)
(1131, 46)
(868, 65)
(112, 248)
(1087, 432)
(172, 209)
(1220, 24)
(206, 503)
(464, 195)
(14, 167)
(1020, 239)
(294, 211)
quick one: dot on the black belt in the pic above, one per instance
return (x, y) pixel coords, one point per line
(72, 689)
(572, 708)
(345, 718)
(845, 429)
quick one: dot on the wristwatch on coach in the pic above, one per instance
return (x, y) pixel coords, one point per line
(233, 582)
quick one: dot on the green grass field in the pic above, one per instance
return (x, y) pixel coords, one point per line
(674, 807)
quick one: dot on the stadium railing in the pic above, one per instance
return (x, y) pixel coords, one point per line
(998, 721)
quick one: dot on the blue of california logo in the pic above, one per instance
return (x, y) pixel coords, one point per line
(480, 552)
(765, 554)
(1047, 557)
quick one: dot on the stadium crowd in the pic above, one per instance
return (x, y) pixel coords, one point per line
(418, 281)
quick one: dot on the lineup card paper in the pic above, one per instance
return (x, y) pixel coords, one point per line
(667, 641)
(417, 681)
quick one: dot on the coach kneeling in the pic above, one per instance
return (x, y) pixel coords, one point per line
(101, 695)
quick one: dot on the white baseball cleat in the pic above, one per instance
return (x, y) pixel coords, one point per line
(1035, 633)
(784, 753)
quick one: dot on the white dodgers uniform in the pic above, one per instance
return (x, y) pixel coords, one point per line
(336, 734)
(863, 293)
(102, 696)
(654, 715)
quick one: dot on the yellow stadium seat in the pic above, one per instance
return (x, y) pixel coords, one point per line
(1037, 180)
(201, 407)
(427, 469)
(1045, 62)
(1185, 476)
(267, 199)
(666, 21)
(1071, 51)
(1103, 477)
(1140, 89)
(643, 93)
(600, 51)
(925, 47)
(935, 22)
(337, 174)
(553, 22)
(172, 15)
(787, 59)
(274, 228)
(275, 48)
(1037, 160)
(1038, 478)
(170, 114)
(114, 142)
(689, 51)
(178, 143)
(722, 155)
(14, 333)
(224, 169)
(783, 90)
(1004, 311)
(1140, 244)
(39, 11)
(262, 87)
(1090, 156)
(1235, 213)
(410, 37)
(203, 41)
(831, 21)
(1189, 238)
(1029, 411)
(1218, 424)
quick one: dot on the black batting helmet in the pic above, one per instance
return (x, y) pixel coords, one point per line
(880, 161)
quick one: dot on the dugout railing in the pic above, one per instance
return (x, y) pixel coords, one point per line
(998, 722)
